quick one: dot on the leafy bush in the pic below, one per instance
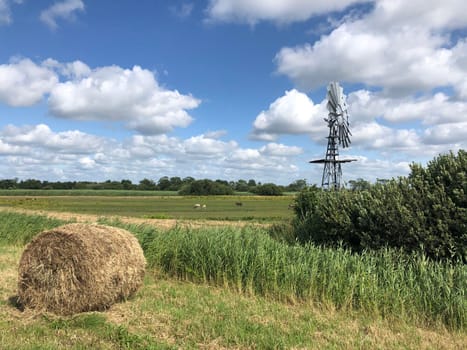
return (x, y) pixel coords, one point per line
(426, 211)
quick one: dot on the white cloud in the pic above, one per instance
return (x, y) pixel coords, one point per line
(280, 150)
(41, 136)
(116, 94)
(111, 93)
(71, 70)
(365, 106)
(183, 11)
(451, 133)
(39, 152)
(372, 169)
(293, 113)
(61, 10)
(8, 149)
(202, 146)
(280, 11)
(5, 11)
(5, 15)
(400, 46)
(376, 136)
(24, 83)
(87, 163)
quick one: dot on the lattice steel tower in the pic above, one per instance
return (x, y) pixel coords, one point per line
(339, 134)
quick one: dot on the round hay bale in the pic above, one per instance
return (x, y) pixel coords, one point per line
(79, 267)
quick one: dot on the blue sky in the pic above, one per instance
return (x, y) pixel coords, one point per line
(226, 89)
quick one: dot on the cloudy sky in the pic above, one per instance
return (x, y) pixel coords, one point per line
(226, 89)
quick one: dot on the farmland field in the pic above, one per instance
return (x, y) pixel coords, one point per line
(254, 208)
(203, 307)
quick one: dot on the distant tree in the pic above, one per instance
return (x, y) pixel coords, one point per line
(175, 183)
(382, 181)
(187, 180)
(30, 184)
(268, 189)
(241, 186)
(163, 184)
(147, 185)
(359, 184)
(127, 184)
(206, 187)
(8, 184)
(297, 185)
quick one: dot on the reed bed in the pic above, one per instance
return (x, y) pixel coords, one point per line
(19, 229)
(386, 283)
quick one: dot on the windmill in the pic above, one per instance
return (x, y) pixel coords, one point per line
(339, 135)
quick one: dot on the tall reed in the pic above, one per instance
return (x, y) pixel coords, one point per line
(386, 283)
(18, 229)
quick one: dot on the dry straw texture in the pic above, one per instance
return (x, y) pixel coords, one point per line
(80, 267)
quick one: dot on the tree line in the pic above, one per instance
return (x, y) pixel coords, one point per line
(184, 186)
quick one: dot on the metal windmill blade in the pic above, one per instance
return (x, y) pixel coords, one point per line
(338, 115)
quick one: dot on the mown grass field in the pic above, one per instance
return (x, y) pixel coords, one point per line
(236, 288)
(160, 207)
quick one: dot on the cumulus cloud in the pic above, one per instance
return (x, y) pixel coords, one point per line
(451, 133)
(5, 15)
(399, 46)
(75, 91)
(24, 83)
(183, 11)
(37, 151)
(427, 109)
(293, 113)
(203, 146)
(280, 150)
(61, 10)
(5, 11)
(376, 136)
(280, 11)
(116, 94)
(41, 136)
(372, 169)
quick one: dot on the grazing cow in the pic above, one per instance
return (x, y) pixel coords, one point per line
(204, 206)
(238, 204)
(197, 206)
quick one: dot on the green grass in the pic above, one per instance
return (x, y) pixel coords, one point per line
(253, 208)
(18, 229)
(218, 311)
(388, 284)
(111, 193)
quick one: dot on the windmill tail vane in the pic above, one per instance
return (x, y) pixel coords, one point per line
(339, 134)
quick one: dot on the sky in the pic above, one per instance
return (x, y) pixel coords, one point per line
(95, 90)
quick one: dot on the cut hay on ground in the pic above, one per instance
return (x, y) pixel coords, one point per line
(80, 267)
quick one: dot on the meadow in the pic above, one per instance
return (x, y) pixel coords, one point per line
(237, 288)
(156, 207)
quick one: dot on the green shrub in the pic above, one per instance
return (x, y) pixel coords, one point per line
(427, 211)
